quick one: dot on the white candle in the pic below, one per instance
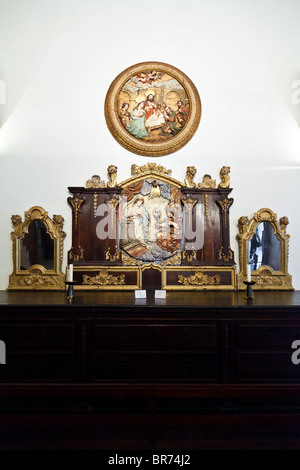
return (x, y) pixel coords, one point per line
(248, 273)
(70, 272)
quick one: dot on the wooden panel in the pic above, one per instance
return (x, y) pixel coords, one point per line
(267, 366)
(132, 337)
(267, 337)
(39, 367)
(155, 365)
(31, 337)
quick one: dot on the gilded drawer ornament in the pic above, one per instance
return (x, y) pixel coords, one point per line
(199, 279)
(104, 279)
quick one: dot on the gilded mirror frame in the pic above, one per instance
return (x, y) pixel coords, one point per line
(37, 277)
(265, 277)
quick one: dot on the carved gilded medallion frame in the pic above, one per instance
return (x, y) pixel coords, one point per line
(37, 276)
(265, 277)
(163, 145)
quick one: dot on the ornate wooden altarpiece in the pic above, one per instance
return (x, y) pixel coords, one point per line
(152, 231)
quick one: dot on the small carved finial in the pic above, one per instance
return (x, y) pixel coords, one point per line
(189, 177)
(95, 182)
(207, 182)
(283, 222)
(225, 178)
(242, 223)
(112, 174)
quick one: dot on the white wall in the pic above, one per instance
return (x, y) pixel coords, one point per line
(58, 58)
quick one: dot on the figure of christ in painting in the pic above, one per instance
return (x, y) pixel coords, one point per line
(136, 126)
(124, 114)
(154, 118)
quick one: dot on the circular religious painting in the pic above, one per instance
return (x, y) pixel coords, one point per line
(152, 109)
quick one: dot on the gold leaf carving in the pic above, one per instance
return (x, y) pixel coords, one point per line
(129, 260)
(149, 168)
(207, 182)
(266, 279)
(223, 256)
(189, 177)
(112, 174)
(199, 279)
(174, 260)
(104, 279)
(95, 182)
(112, 257)
(225, 178)
(36, 278)
(190, 257)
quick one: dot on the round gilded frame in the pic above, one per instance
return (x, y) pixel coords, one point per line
(160, 143)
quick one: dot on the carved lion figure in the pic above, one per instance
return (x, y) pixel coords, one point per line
(189, 177)
(112, 174)
(225, 178)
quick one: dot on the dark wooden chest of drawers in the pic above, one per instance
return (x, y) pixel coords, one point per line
(192, 354)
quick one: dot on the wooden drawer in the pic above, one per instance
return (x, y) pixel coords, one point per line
(266, 337)
(33, 337)
(37, 367)
(157, 366)
(162, 337)
(267, 366)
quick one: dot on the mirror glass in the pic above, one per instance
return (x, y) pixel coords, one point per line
(265, 248)
(37, 247)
